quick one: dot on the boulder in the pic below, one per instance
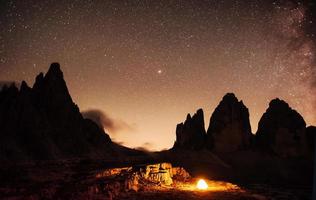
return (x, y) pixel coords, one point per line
(180, 174)
(136, 176)
(160, 173)
(131, 183)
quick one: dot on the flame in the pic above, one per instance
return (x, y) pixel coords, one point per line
(201, 185)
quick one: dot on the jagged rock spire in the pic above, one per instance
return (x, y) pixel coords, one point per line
(229, 129)
(191, 134)
(44, 123)
(281, 130)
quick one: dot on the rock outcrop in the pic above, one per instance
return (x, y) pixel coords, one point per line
(191, 134)
(281, 130)
(43, 122)
(158, 173)
(229, 128)
(144, 177)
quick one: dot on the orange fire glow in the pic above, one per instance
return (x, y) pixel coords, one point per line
(201, 185)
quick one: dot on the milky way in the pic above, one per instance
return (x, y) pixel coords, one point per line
(149, 63)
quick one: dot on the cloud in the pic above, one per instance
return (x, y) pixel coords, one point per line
(106, 122)
(146, 147)
(120, 143)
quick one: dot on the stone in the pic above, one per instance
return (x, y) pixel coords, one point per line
(180, 174)
(136, 176)
(160, 173)
(131, 183)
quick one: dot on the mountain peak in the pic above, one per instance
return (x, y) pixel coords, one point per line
(229, 129)
(24, 87)
(38, 80)
(278, 103)
(199, 112)
(50, 121)
(54, 71)
(188, 117)
(281, 130)
(191, 133)
(54, 67)
(230, 97)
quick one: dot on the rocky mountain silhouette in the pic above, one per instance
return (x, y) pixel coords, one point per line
(280, 152)
(191, 134)
(43, 122)
(282, 130)
(229, 129)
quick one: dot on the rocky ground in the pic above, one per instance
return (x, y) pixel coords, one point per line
(180, 190)
(82, 180)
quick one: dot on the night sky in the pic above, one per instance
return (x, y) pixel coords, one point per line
(146, 64)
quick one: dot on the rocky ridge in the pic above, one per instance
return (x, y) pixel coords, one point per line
(191, 134)
(43, 122)
(282, 131)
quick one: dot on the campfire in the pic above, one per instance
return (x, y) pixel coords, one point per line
(201, 185)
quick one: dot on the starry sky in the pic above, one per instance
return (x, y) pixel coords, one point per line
(147, 63)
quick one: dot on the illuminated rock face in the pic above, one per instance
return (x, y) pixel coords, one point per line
(157, 173)
(163, 173)
(281, 130)
(160, 174)
(179, 173)
(229, 129)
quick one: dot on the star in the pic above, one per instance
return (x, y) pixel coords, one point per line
(197, 51)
